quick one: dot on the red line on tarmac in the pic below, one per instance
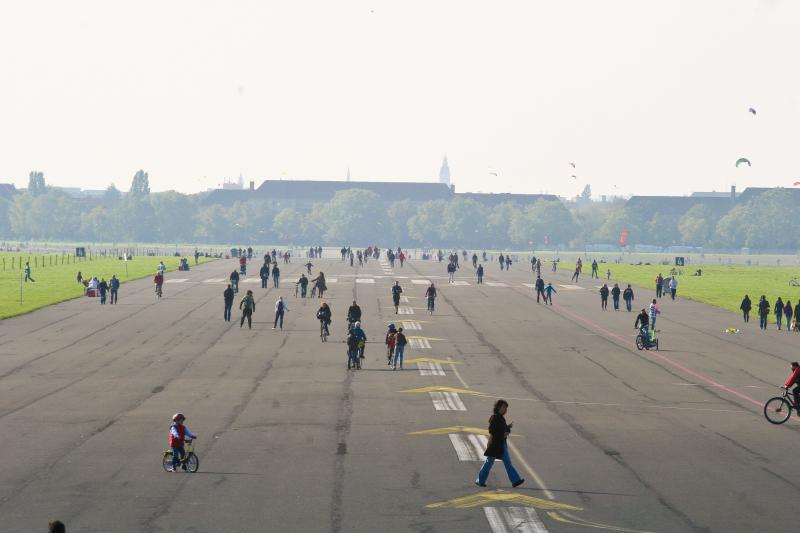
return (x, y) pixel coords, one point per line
(666, 359)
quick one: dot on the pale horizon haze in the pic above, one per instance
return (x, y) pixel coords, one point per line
(644, 97)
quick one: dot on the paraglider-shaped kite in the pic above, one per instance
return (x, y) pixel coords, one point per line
(572, 164)
(742, 160)
(796, 183)
(623, 237)
(752, 110)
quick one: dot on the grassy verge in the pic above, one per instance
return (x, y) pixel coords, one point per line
(721, 286)
(57, 282)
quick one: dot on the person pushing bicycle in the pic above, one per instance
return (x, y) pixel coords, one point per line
(177, 435)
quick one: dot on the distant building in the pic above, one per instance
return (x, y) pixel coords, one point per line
(493, 199)
(231, 185)
(444, 172)
(7, 191)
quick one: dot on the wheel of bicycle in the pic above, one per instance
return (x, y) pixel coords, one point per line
(192, 462)
(166, 461)
(777, 410)
(639, 342)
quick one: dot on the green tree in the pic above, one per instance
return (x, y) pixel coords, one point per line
(175, 213)
(544, 218)
(697, 225)
(616, 222)
(97, 224)
(140, 186)
(397, 217)
(288, 225)
(350, 216)
(462, 221)
(425, 226)
(498, 220)
(731, 229)
(112, 197)
(36, 184)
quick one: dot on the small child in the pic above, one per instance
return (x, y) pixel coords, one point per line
(608, 274)
(391, 339)
(177, 433)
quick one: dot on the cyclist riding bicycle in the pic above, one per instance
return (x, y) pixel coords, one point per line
(794, 379)
(430, 295)
(353, 315)
(234, 277)
(644, 319)
(324, 316)
(177, 435)
(308, 267)
(362, 339)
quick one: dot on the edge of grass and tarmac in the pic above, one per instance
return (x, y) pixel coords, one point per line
(56, 283)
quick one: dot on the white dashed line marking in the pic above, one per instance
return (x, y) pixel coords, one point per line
(495, 284)
(514, 519)
(176, 280)
(419, 343)
(411, 325)
(447, 401)
(421, 281)
(430, 369)
(405, 310)
(468, 446)
(365, 280)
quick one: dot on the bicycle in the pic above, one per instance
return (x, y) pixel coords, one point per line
(794, 282)
(159, 292)
(190, 462)
(644, 341)
(235, 285)
(431, 300)
(324, 333)
(353, 360)
(778, 410)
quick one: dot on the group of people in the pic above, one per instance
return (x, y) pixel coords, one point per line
(782, 311)
(100, 287)
(615, 292)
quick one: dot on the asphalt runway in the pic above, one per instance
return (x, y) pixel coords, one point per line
(606, 436)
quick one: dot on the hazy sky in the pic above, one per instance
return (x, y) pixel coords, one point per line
(645, 97)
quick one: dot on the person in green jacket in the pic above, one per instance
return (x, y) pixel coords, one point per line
(248, 307)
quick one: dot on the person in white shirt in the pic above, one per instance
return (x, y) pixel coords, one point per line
(280, 309)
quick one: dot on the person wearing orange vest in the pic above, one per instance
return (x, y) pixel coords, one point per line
(177, 433)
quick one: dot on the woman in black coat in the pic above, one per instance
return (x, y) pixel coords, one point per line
(497, 447)
(745, 307)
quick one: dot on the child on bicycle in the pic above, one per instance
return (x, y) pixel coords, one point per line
(391, 341)
(177, 434)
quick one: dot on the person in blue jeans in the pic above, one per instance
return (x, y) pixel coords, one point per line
(399, 348)
(276, 274)
(497, 447)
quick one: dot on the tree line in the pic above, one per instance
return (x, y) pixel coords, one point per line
(361, 217)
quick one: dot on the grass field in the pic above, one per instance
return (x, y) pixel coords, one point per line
(56, 283)
(721, 286)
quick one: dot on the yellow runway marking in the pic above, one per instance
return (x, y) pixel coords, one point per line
(440, 388)
(492, 496)
(451, 429)
(586, 523)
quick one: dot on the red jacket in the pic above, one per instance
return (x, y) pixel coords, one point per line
(177, 441)
(158, 279)
(795, 378)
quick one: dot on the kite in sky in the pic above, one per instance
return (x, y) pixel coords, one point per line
(796, 183)
(742, 160)
(752, 110)
(574, 176)
(572, 164)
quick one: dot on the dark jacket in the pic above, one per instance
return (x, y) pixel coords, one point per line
(228, 295)
(779, 307)
(604, 293)
(264, 272)
(627, 294)
(234, 276)
(498, 430)
(763, 307)
(324, 313)
(539, 284)
(615, 293)
(401, 339)
(746, 304)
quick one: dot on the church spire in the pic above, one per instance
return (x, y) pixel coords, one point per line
(348, 173)
(444, 172)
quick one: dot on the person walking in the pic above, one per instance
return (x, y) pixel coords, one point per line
(548, 293)
(627, 295)
(576, 274)
(303, 283)
(248, 307)
(399, 348)
(604, 297)
(264, 275)
(79, 277)
(594, 269)
(497, 447)
(234, 277)
(397, 290)
(113, 284)
(280, 309)
(539, 285)
(227, 296)
(763, 312)
(779, 312)
(787, 311)
(276, 274)
(391, 341)
(103, 290)
(502, 260)
(615, 292)
(451, 272)
(659, 285)
(745, 306)
(28, 273)
(479, 273)
(673, 287)
(654, 312)
(319, 285)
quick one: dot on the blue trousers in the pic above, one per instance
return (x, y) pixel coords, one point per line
(628, 304)
(278, 319)
(177, 456)
(275, 281)
(227, 313)
(265, 282)
(762, 321)
(483, 475)
(398, 355)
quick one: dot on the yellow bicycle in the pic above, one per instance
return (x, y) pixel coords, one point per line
(190, 462)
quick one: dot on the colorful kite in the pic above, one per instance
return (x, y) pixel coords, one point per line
(572, 164)
(753, 111)
(623, 237)
(742, 160)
